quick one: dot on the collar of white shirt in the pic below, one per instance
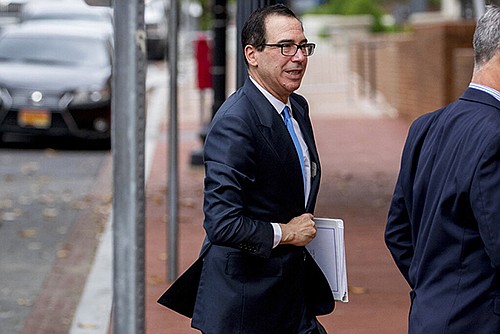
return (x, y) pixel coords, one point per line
(277, 104)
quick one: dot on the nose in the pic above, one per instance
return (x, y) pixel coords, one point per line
(299, 55)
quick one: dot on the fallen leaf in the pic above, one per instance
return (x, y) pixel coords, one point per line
(158, 199)
(188, 202)
(9, 216)
(62, 253)
(29, 168)
(156, 280)
(357, 290)
(28, 233)
(50, 213)
(24, 302)
(46, 199)
(6, 203)
(79, 205)
(25, 200)
(87, 326)
(50, 152)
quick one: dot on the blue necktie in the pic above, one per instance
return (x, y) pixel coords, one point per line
(289, 126)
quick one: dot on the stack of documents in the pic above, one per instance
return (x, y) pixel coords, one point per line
(328, 249)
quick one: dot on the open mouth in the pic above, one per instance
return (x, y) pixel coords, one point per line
(294, 73)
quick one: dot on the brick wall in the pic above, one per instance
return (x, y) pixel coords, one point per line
(463, 65)
(416, 72)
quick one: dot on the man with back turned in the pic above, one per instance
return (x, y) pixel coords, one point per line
(443, 227)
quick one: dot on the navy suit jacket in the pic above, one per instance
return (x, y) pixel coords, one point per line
(443, 226)
(253, 177)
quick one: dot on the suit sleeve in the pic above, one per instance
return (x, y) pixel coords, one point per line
(398, 232)
(485, 200)
(230, 167)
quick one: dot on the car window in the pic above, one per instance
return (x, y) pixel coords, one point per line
(62, 51)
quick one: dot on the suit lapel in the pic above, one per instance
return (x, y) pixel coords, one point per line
(274, 131)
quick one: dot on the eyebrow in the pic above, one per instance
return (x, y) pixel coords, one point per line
(291, 41)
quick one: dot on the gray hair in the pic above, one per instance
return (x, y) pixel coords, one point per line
(487, 36)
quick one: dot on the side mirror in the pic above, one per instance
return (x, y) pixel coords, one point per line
(103, 3)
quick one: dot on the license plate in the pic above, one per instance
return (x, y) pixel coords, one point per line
(34, 118)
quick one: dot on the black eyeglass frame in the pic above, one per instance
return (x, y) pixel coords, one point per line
(298, 46)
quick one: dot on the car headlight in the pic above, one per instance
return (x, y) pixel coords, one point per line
(90, 96)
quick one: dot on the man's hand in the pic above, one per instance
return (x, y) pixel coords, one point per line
(299, 231)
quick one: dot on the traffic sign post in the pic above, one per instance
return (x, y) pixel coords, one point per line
(128, 136)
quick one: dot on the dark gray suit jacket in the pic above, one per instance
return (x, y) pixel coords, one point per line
(253, 178)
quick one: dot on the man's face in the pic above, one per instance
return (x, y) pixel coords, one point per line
(280, 75)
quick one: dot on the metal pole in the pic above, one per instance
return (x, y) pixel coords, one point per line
(128, 127)
(243, 11)
(417, 6)
(467, 9)
(173, 179)
(479, 8)
(218, 69)
(219, 54)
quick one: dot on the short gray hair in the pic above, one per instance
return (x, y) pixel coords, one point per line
(487, 36)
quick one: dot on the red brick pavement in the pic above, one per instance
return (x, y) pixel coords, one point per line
(360, 160)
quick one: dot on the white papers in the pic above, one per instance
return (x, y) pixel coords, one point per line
(328, 249)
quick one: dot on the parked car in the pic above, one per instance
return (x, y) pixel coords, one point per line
(65, 10)
(155, 18)
(55, 80)
(11, 6)
(14, 7)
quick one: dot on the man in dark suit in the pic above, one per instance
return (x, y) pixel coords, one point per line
(257, 276)
(443, 227)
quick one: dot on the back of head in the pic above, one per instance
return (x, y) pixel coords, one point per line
(487, 36)
(254, 29)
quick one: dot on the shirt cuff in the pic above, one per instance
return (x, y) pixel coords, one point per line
(277, 234)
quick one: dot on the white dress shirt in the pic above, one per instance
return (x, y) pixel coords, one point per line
(278, 105)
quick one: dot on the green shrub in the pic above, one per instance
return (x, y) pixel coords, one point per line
(353, 7)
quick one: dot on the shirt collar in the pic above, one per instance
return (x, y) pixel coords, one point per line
(486, 89)
(277, 104)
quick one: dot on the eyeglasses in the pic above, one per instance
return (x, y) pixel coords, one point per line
(290, 49)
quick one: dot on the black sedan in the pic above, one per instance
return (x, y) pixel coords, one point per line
(55, 81)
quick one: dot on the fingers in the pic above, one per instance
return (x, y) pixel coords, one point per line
(299, 231)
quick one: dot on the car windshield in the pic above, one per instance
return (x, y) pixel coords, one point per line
(57, 51)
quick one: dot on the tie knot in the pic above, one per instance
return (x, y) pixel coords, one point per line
(286, 113)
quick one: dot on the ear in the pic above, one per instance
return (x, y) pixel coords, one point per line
(251, 55)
